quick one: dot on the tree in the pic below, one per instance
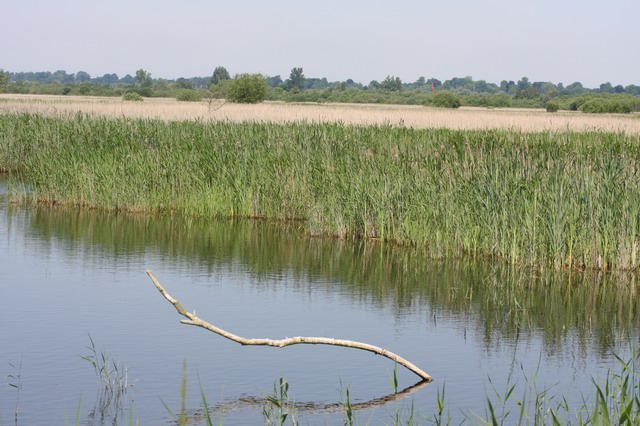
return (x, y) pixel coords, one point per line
(183, 83)
(391, 83)
(274, 81)
(247, 89)
(220, 74)
(632, 89)
(132, 96)
(350, 83)
(523, 83)
(316, 83)
(446, 100)
(481, 86)
(508, 86)
(606, 87)
(82, 77)
(110, 78)
(458, 83)
(61, 76)
(528, 93)
(144, 81)
(296, 79)
(143, 78)
(553, 106)
(574, 89)
(128, 79)
(545, 87)
(43, 76)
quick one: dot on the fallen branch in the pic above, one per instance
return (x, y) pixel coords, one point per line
(194, 320)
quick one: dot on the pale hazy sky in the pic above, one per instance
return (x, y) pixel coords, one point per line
(591, 41)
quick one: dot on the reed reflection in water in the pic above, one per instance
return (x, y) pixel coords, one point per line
(274, 280)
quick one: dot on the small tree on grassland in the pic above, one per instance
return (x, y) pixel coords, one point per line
(552, 106)
(132, 96)
(446, 100)
(247, 89)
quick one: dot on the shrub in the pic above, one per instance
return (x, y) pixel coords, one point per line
(553, 106)
(604, 106)
(189, 95)
(132, 96)
(247, 89)
(142, 91)
(446, 100)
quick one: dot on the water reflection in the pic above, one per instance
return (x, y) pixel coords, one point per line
(497, 302)
(311, 407)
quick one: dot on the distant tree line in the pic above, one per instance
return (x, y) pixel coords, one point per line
(299, 88)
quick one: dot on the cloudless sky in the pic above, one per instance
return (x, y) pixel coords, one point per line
(591, 41)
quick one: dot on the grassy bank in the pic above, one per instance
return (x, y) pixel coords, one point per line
(557, 199)
(416, 117)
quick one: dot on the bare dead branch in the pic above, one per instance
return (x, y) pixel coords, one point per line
(192, 319)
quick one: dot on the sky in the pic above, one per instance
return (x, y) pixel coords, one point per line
(562, 41)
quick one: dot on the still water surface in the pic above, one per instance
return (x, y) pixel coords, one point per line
(67, 274)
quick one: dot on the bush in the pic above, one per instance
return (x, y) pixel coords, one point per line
(553, 106)
(247, 89)
(446, 100)
(132, 96)
(487, 100)
(604, 106)
(140, 90)
(189, 95)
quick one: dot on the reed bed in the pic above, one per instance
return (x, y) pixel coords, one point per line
(418, 117)
(546, 199)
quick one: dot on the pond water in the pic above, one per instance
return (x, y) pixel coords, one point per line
(66, 275)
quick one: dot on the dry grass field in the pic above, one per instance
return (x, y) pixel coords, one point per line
(395, 115)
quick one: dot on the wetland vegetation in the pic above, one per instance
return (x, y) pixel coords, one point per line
(558, 313)
(533, 236)
(546, 199)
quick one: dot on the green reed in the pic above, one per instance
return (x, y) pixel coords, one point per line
(545, 199)
(615, 399)
(113, 383)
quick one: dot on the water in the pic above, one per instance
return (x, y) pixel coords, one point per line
(67, 275)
